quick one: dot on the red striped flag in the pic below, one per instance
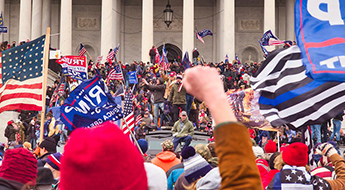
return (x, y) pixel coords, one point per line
(128, 123)
(82, 50)
(115, 74)
(110, 56)
(199, 38)
(138, 120)
(21, 77)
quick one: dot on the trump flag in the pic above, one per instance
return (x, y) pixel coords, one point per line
(319, 27)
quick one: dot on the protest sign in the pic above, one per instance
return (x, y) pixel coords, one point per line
(74, 66)
(132, 77)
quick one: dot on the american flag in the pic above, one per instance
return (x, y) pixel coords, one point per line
(116, 73)
(21, 77)
(165, 60)
(110, 55)
(116, 50)
(128, 114)
(138, 120)
(199, 37)
(157, 57)
(273, 41)
(99, 60)
(82, 50)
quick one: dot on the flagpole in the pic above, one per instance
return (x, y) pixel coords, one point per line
(89, 55)
(45, 80)
(135, 140)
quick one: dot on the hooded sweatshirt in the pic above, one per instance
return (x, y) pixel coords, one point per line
(165, 160)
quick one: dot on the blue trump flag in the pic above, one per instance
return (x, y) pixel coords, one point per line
(205, 32)
(90, 104)
(319, 27)
(264, 41)
(185, 61)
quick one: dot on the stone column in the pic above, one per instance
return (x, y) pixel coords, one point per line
(24, 20)
(290, 20)
(227, 30)
(188, 33)
(116, 22)
(45, 15)
(270, 19)
(36, 22)
(147, 30)
(107, 36)
(66, 27)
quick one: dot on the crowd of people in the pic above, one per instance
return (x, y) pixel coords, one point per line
(186, 100)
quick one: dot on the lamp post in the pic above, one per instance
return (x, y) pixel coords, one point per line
(168, 15)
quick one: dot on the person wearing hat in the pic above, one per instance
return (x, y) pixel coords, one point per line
(18, 169)
(47, 147)
(140, 131)
(178, 98)
(45, 179)
(11, 131)
(182, 131)
(101, 158)
(171, 80)
(167, 158)
(195, 167)
(157, 91)
(53, 163)
(293, 173)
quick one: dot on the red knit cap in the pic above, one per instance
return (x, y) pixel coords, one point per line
(101, 158)
(271, 147)
(19, 165)
(296, 154)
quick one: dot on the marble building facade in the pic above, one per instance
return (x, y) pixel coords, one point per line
(138, 24)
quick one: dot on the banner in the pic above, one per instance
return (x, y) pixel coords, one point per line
(132, 77)
(319, 27)
(245, 105)
(89, 105)
(74, 66)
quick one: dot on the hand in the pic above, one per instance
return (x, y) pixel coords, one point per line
(203, 83)
(186, 135)
(326, 149)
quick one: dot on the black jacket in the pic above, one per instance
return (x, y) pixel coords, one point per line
(195, 54)
(41, 161)
(157, 92)
(152, 52)
(6, 184)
